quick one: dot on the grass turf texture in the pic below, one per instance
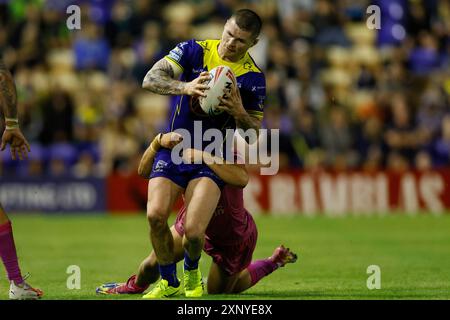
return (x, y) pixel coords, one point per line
(412, 252)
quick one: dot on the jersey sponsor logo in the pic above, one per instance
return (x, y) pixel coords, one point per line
(255, 88)
(198, 70)
(176, 53)
(261, 102)
(175, 56)
(160, 166)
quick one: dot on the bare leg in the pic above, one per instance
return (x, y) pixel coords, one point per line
(243, 282)
(148, 270)
(202, 196)
(219, 281)
(162, 194)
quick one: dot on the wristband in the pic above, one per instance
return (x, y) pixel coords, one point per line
(12, 127)
(157, 141)
(11, 120)
(158, 138)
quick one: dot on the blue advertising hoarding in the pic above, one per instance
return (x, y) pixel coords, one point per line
(53, 195)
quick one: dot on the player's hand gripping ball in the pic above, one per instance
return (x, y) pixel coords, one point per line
(220, 84)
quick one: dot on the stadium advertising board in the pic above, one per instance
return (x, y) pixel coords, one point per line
(320, 193)
(291, 192)
(357, 193)
(53, 195)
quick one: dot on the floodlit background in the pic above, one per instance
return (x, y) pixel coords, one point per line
(343, 96)
(364, 119)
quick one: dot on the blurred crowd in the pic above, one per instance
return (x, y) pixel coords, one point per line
(343, 95)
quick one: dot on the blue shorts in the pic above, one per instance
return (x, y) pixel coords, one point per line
(182, 173)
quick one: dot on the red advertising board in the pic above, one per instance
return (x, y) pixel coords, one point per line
(350, 192)
(312, 193)
(127, 194)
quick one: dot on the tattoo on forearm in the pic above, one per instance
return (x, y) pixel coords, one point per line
(248, 122)
(8, 95)
(160, 80)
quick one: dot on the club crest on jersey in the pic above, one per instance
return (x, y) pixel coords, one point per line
(160, 165)
(247, 66)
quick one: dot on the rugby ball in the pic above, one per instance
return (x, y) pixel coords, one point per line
(222, 79)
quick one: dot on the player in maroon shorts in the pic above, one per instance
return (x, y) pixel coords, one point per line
(230, 237)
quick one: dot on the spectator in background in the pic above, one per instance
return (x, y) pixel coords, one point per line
(34, 165)
(402, 137)
(366, 78)
(148, 49)
(305, 136)
(337, 137)
(425, 57)
(120, 25)
(57, 117)
(418, 18)
(369, 143)
(62, 156)
(85, 166)
(91, 49)
(397, 162)
(86, 80)
(143, 12)
(27, 41)
(393, 77)
(327, 21)
(274, 118)
(432, 108)
(423, 161)
(441, 147)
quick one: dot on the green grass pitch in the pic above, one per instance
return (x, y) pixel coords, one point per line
(413, 254)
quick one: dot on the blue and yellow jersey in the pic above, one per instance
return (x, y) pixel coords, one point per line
(194, 57)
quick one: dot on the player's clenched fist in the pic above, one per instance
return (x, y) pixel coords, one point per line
(197, 86)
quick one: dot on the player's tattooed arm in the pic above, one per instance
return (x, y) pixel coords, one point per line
(8, 101)
(161, 80)
(8, 95)
(246, 121)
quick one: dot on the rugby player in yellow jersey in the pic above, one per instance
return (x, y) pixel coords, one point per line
(182, 73)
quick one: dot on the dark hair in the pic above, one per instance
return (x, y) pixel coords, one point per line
(248, 20)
